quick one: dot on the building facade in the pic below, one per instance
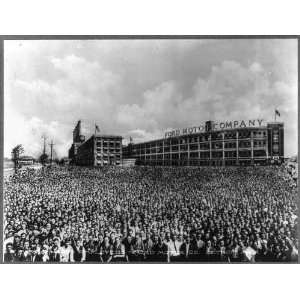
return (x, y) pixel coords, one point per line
(98, 150)
(215, 146)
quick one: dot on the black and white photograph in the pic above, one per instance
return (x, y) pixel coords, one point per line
(142, 150)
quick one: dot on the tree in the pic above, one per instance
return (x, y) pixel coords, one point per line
(43, 158)
(15, 153)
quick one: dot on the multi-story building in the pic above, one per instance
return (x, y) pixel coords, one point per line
(225, 143)
(98, 150)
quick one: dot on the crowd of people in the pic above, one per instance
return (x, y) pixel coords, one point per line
(151, 214)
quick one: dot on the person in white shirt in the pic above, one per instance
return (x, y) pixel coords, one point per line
(173, 248)
(66, 252)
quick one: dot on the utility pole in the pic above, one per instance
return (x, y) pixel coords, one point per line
(44, 137)
(51, 151)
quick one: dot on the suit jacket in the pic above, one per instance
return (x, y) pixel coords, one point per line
(35, 258)
(9, 257)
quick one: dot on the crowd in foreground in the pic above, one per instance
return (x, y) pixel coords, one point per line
(151, 214)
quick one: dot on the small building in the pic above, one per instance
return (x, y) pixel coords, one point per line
(26, 160)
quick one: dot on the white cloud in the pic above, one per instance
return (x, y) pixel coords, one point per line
(231, 91)
(142, 88)
(28, 132)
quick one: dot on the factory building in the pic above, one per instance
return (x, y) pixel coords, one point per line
(215, 144)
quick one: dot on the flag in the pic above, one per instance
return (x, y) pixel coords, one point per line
(97, 129)
(277, 112)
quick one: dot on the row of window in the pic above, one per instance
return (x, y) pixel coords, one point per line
(106, 162)
(185, 141)
(108, 156)
(111, 145)
(109, 150)
(229, 162)
(206, 155)
(195, 147)
(207, 137)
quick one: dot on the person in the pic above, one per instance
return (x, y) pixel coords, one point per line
(186, 250)
(173, 245)
(222, 210)
(159, 250)
(198, 247)
(148, 247)
(54, 255)
(223, 257)
(9, 255)
(209, 252)
(66, 252)
(137, 249)
(106, 250)
(26, 251)
(118, 251)
(20, 255)
(79, 251)
(128, 244)
(92, 249)
(35, 255)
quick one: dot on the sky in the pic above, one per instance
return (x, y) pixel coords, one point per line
(143, 88)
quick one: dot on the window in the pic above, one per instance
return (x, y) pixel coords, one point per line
(230, 154)
(258, 153)
(184, 155)
(244, 144)
(245, 153)
(204, 155)
(204, 146)
(183, 147)
(245, 134)
(216, 136)
(229, 145)
(167, 149)
(217, 154)
(194, 147)
(194, 155)
(230, 135)
(216, 145)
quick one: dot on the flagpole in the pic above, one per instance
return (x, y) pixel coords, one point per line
(275, 115)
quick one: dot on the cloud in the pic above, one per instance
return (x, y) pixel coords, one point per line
(28, 132)
(230, 92)
(144, 87)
